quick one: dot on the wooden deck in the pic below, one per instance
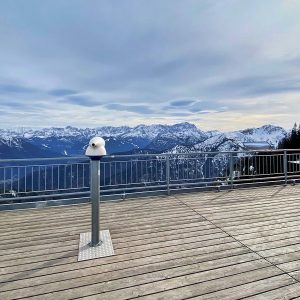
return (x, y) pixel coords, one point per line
(227, 245)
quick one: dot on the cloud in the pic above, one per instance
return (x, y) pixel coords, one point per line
(61, 92)
(15, 89)
(82, 100)
(256, 86)
(13, 104)
(179, 103)
(155, 61)
(141, 109)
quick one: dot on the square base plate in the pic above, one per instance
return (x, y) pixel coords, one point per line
(104, 249)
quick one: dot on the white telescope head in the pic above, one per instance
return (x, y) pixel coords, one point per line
(96, 148)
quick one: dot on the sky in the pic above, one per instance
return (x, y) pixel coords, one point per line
(222, 65)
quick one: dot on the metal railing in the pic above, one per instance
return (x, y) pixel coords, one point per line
(30, 180)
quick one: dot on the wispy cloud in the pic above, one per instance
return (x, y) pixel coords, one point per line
(61, 92)
(179, 103)
(81, 100)
(141, 109)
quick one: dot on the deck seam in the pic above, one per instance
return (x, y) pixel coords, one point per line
(219, 227)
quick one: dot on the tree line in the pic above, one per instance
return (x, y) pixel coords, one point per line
(292, 140)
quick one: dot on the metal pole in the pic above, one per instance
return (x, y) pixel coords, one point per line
(168, 173)
(285, 166)
(231, 170)
(95, 199)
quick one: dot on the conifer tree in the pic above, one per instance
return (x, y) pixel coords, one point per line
(292, 140)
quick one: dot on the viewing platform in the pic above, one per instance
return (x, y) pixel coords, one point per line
(233, 244)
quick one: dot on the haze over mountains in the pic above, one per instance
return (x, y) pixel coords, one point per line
(182, 137)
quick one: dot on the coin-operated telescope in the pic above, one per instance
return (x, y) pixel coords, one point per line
(95, 151)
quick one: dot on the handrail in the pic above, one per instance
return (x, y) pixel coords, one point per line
(34, 179)
(145, 155)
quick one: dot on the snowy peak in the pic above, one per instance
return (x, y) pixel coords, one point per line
(144, 131)
(267, 133)
(182, 137)
(234, 141)
(153, 131)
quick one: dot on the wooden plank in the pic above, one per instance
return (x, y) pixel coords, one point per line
(235, 201)
(158, 227)
(71, 257)
(258, 221)
(165, 280)
(273, 244)
(241, 208)
(193, 285)
(272, 226)
(253, 288)
(157, 246)
(59, 247)
(282, 250)
(65, 219)
(135, 267)
(120, 226)
(295, 274)
(271, 222)
(267, 211)
(285, 292)
(290, 266)
(109, 206)
(289, 230)
(108, 222)
(23, 245)
(124, 278)
(285, 257)
(125, 262)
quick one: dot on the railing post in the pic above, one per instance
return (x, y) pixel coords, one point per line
(231, 170)
(285, 167)
(95, 199)
(168, 173)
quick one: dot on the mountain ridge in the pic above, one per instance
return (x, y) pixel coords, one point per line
(157, 138)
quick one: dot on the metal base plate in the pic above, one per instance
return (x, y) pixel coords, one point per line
(104, 249)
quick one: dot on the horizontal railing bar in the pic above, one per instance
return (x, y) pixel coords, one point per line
(42, 196)
(45, 159)
(149, 155)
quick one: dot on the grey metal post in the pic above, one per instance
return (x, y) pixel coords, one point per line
(168, 173)
(95, 199)
(285, 166)
(231, 170)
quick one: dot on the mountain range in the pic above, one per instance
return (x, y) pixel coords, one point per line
(182, 137)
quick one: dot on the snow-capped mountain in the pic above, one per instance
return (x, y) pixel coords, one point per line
(234, 141)
(18, 147)
(183, 137)
(184, 134)
(269, 133)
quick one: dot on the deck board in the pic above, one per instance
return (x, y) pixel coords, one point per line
(227, 245)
